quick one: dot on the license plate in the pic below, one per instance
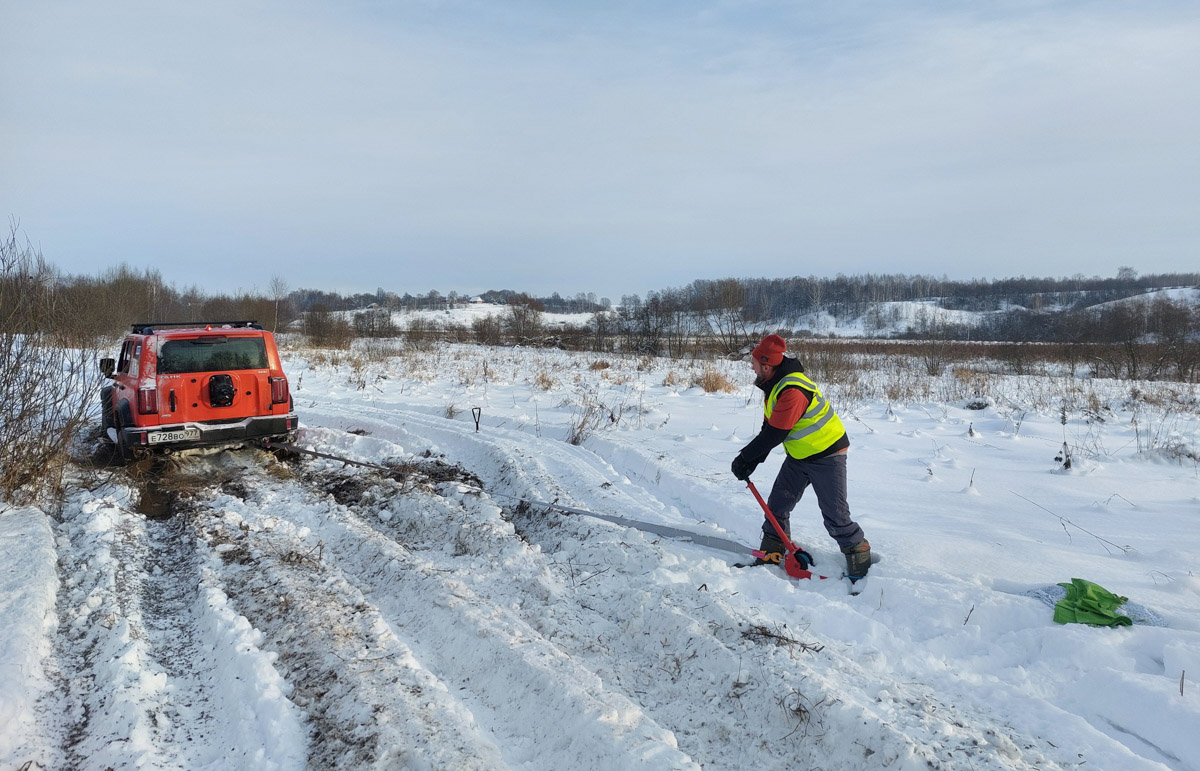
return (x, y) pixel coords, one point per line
(158, 437)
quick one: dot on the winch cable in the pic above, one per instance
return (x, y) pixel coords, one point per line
(295, 448)
(710, 541)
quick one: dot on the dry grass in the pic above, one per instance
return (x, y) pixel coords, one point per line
(713, 381)
(382, 349)
(543, 380)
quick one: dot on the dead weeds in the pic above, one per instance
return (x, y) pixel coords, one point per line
(780, 638)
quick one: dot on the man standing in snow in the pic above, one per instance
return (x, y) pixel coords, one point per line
(798, 417)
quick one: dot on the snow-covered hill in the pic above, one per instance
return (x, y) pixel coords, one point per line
(464, 314)
(315, 614)
(885, 319)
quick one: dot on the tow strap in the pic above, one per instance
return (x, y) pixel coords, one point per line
(709, 541)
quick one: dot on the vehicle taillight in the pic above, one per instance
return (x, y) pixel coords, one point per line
(279, 390)
(147, 401)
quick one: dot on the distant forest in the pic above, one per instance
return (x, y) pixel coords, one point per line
(730, 310)
(789, 299)
(843, 297)
(1013, 309)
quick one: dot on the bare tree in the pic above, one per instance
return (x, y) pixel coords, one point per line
(279, 290)
(524, 321)
(47, 381)
(722, 304)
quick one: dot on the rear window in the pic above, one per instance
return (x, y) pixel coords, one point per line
(211, 354)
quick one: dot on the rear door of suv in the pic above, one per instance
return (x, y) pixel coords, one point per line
(212, 378)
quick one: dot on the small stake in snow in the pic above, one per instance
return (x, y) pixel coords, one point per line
(1182, 675)
(794, 567)
(476, 412)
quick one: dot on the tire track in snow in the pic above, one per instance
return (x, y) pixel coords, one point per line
(536, 703)
(145, 658)
(369, 701)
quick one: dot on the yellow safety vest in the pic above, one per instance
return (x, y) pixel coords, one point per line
(819, 426)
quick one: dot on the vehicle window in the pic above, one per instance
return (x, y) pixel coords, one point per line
(123, 362)
(135, 360)
(211, 354)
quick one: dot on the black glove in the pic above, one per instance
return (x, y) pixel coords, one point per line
(742, 467)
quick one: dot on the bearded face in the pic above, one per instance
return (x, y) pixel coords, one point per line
(762, 372)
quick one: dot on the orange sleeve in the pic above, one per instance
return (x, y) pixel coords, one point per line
(789, 408)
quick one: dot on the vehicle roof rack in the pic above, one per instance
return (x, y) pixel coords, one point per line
(148, 327)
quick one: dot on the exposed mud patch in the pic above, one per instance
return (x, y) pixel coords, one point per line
(157, 499)
(356, 488)
(427, 472)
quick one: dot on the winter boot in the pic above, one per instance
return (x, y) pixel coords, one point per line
(772, 548)
(858, 560)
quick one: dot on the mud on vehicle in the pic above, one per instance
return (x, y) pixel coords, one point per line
(184, 385)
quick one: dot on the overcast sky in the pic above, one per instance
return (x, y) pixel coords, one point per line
(609, 147)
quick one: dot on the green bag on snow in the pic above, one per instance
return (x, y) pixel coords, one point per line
(1088, 603)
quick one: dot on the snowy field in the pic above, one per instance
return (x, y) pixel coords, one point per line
(308, 613)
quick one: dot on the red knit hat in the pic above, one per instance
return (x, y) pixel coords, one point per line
(770, 350)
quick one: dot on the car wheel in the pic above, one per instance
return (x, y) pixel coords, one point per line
(124, 451)
(106, 415)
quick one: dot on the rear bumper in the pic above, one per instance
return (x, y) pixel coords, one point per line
(254, 430)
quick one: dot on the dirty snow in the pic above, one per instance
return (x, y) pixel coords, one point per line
(310, 613)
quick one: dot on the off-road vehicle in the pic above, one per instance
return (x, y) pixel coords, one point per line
(184, 385)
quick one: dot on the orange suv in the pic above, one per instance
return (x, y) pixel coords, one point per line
(185, 385)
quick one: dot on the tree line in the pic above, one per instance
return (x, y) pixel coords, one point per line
(788, 300)
(718, 316)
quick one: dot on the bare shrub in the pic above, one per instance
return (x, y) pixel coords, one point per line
(374, 322)
(589, 414)
(422, 333)
(46, 385)
(488, 330)
(934, 355)
(326, 330)
(457, 333)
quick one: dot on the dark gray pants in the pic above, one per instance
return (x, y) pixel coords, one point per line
(828, 479)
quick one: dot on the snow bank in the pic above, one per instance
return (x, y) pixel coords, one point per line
(28, 589)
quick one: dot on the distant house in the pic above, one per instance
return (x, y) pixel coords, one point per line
(374, 310)
(477, 300)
